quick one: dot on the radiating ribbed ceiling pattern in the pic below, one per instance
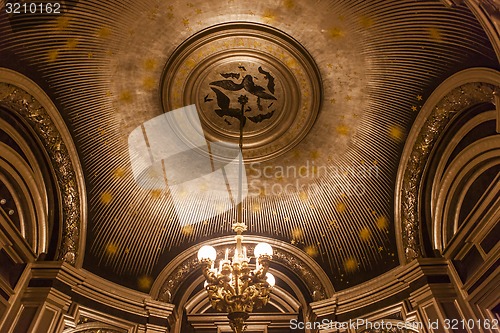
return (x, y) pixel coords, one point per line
(332, 195)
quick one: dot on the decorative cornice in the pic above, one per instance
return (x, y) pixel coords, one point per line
(90, 325)
(129, 307)
(397, 281)
(308, 276)
(459, 92)
(458, 99)
(174, 280)
(31, 110)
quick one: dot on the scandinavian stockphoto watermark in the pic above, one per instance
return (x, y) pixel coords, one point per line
(383, 325)
(352, 324)
(276, 180)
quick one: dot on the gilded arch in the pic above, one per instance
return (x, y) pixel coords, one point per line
(20, 94)
(459, 92)
(305, 268)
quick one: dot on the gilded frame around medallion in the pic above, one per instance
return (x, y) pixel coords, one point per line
(21, 94)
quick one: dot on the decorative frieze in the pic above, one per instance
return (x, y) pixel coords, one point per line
(458, 99)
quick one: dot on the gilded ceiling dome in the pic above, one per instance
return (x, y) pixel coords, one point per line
(349, 79)
(154, 95)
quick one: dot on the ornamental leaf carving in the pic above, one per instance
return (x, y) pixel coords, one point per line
(458, 99)
(40, 121)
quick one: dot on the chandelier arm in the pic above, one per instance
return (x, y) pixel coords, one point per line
(229, 288)
(209, 275)
(264, 267)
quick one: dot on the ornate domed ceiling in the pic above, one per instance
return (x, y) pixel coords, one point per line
(332, 89)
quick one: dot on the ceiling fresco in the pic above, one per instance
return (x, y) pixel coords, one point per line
(331, 90)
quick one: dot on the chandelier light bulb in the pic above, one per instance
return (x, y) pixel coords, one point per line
(270, 279)
(263, 249)
(207, 252)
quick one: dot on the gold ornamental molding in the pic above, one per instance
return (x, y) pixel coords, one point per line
(458, 93)
(215, 66)
(19, 94)
(305, 268)
(386, 286)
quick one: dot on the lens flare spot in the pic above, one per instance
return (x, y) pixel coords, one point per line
(365, 234)
(382, 222)
(156, 194)
(311, 250)
(297, 233)
(336, 33)
(144, 283)
(315, 154)
(149, 83)
(341, 207)
(119, 173)
(396, 133)
(104, 32)
(366, 22)
(71, 43)
(111, 248)
(256, 207)
(268, 16)
(289, 4)
(342, 130)
(53, 55)
(351, 265)
(435, 34)
(106, 198)
(149, 64)
(126, 96)
(187, 230)
(62, 22)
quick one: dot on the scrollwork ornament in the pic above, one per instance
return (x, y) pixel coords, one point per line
(312, 282)
(175, 279)
(39, 120)
(458, 99)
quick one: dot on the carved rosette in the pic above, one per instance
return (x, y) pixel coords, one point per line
(181, 272)
(37, 117)
(458, 99)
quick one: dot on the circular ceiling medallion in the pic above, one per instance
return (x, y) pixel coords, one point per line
(249, 74)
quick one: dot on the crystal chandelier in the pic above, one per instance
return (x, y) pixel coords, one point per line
(234, 287)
